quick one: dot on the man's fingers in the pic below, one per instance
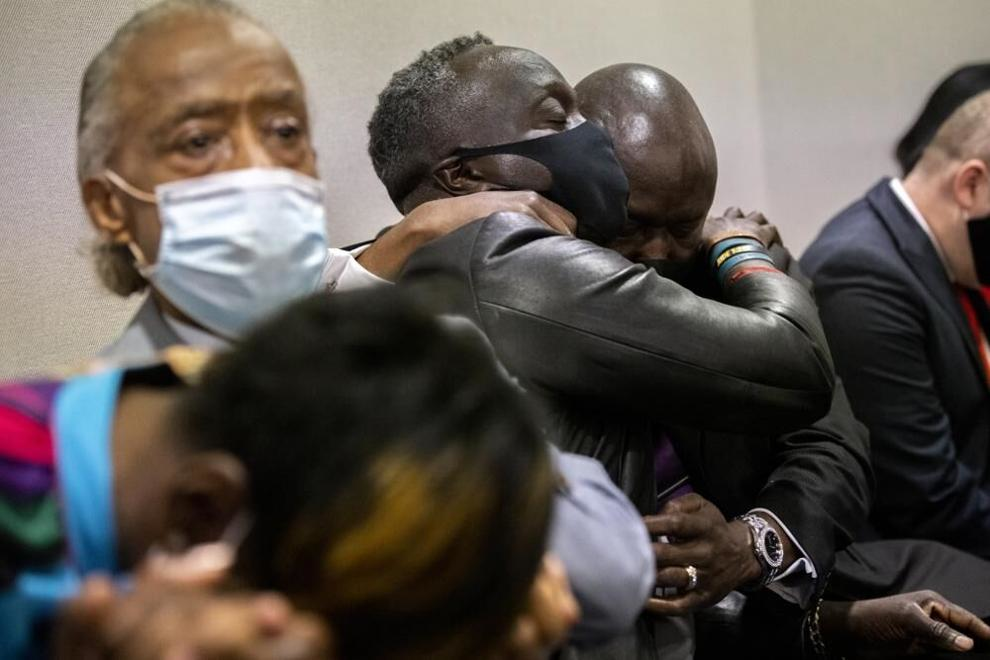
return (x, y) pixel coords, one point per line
(673, 576)
(681, 554)
(941, 635)
(960, 619)
(554, 215)
(932, 631)
(676, 606)
(685, 504)
(678, 525)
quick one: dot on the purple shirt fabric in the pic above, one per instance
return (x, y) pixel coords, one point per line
(672, 478)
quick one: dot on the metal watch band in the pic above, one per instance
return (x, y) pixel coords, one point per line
(758, 530)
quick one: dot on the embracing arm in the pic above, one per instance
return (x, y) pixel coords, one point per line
(577, 320)
(388, 253)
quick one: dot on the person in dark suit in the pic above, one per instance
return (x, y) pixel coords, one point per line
(900, 279)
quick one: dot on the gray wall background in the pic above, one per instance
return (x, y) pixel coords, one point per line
(804, 98)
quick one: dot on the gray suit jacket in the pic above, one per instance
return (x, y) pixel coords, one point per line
(145, 336)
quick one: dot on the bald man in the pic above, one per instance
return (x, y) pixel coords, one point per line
(665, 147)
(815, 481)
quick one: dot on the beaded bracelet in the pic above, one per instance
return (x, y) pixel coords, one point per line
(729, 264)
(732, 251)
(733, 241)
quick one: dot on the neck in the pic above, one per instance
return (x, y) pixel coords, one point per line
(167, 308)
(144, 456)
(934, 200)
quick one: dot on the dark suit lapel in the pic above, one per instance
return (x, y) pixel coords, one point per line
(922, 258)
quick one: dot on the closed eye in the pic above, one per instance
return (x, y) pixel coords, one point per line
(550, 113)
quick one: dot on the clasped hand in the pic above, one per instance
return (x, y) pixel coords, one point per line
(699, 536)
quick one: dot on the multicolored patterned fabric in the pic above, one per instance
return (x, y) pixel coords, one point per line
(56, 500)
(30, 523)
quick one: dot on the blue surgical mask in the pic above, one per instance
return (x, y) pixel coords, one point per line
(235, 246)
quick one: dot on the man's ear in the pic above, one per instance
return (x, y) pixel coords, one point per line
(208, 491)
(970, 183)
(456, 176)
(106, 210)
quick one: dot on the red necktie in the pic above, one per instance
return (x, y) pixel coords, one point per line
(975, 307)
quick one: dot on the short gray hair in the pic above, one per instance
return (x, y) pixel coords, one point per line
(99, 119)
(407, 125)
(964, 135)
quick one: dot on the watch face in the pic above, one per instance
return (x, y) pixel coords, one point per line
(773, 547)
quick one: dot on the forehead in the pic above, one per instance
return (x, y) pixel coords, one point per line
(513, 73)
(507, 63)
(196, 58)
(500, 89)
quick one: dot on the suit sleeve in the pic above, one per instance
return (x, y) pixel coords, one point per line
(821, 485)
(575, 320)
(879, 339)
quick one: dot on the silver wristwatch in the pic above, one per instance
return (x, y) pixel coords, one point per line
(767, 547)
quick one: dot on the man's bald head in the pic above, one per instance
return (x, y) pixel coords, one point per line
(660, 138)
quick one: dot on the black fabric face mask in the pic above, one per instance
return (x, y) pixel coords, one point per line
(588, 180)
(979, 243)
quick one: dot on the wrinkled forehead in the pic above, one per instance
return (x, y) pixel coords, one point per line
(195, 55)
(505, 63)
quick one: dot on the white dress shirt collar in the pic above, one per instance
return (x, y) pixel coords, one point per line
(902, 194)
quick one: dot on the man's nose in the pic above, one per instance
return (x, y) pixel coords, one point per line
(249, 150)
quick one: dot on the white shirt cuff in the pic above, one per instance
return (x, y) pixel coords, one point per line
(795, 584)
(342, 272)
